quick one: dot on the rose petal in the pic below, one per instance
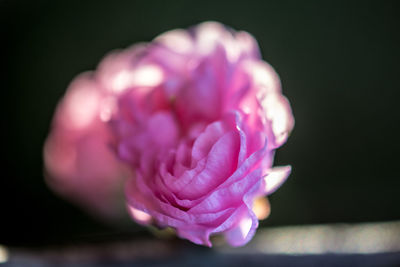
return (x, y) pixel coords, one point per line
(212, 175)
(276, 178)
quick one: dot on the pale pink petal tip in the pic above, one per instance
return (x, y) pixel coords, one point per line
(242, 233)
(139, 216)
(276, 178)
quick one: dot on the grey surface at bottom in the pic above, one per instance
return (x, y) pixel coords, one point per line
(369, 244)
(213, 258)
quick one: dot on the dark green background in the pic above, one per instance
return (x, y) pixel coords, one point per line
(339, 65)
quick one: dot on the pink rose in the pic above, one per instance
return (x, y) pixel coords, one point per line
(201, 138)
(195, 117)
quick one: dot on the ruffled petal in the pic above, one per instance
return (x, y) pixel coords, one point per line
(228, 196)
(247, 225)
(223, 153)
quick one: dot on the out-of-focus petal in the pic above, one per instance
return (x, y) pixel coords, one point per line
(261, 208)
(140, 216)
(79, 163)
(178, 41)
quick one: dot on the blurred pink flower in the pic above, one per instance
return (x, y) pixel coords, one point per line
(195, 117)
(80, 164)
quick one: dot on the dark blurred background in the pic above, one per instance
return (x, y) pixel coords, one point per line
(338, 62)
